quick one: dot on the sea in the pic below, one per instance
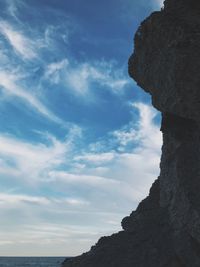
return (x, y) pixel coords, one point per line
(31, 261)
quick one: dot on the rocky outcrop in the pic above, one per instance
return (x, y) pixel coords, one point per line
(164, 231)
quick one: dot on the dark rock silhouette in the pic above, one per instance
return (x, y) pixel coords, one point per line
(164, 231)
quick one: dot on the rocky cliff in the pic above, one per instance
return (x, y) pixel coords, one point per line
(164, 231)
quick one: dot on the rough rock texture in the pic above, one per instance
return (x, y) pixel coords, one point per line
(165, 62)
(164, 231)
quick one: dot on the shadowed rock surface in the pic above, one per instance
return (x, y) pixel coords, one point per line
(164, 231)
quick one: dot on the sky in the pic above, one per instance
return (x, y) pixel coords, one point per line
(79, 141)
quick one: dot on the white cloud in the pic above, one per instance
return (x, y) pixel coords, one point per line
(158, 3)
(12, 200)
(96, 158)
(32, 238)
(148, 132)
(91, 189)
(96, 189)
(9, 82)
(53, 71)
(144, 132)
(103, 73)
(62, 31)
(16, 199)
(49, 222)
(79, 78)
(124, 171)
(31, 162)
(116, 174)
(13, 7)
(20, 43)
(80, 179)
(137, 169)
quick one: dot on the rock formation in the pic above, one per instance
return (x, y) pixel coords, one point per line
(164, 231)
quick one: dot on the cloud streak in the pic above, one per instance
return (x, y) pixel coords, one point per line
(20, 43)
(9, 83)
(91, 185)
(60, 188)
(31, 162)
(126, 162)
(80, 78)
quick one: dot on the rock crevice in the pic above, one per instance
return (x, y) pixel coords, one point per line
(164, 231)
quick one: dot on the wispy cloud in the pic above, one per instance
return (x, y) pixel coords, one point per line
(157, 3)
(32, 237)
(9, 83)
(97, 188)
(13, 7)
(33, 226)
(65, 191)
(21, 44)
(31, 162)
(79, 179)
(14, 81)
(96, 158)
(144, 132)
(16, 199)
(63, 31)
(50, 162)
(135, 143)
(80, 78)
(54, 71)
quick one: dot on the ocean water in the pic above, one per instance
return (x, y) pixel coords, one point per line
(31, 261)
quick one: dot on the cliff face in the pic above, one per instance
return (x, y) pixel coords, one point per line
(164, 231)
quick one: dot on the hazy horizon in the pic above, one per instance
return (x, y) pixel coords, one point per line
(79, 141)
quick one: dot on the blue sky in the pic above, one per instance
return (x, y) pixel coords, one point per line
(79, 141)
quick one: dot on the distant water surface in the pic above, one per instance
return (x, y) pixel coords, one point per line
(31, 261)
